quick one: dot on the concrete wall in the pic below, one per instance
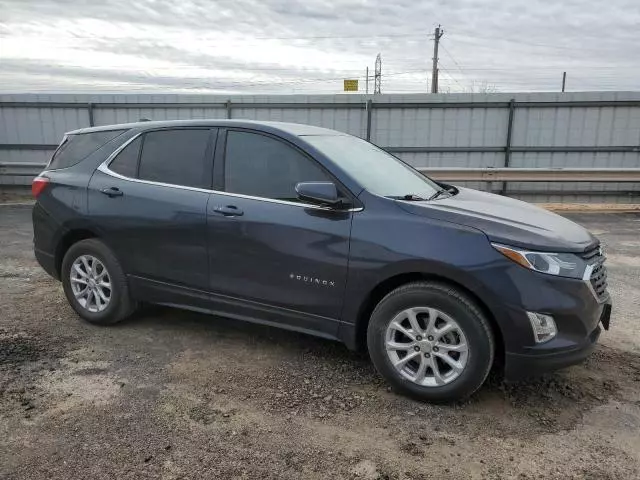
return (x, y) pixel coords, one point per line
(597, 129)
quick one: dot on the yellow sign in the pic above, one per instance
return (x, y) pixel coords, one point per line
(351, 85)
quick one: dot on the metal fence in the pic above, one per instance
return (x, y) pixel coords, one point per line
(437, 133)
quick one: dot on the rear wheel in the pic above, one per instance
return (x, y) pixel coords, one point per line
(95, 284)
(431, 342)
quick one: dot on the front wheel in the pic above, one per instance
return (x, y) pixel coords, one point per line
(431, 342)
(95, 284)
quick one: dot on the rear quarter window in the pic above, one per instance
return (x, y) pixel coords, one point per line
(75, 148)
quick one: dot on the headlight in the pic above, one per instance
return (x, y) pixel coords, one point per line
(561, 264)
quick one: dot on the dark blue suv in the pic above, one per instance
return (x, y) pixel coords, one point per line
(320, 232)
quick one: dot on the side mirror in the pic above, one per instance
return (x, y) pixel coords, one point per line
(320, 193)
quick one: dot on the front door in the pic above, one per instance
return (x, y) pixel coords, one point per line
(150, 204)
(286, 261)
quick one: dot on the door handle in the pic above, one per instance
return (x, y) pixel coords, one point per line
(111, 192)
(229, 211)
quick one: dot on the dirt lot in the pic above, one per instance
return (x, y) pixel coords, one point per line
(170, 395)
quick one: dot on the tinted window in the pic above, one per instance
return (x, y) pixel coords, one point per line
(126, 162)
(376, 170)
(176, 157)
(78, 147)
(265, 167)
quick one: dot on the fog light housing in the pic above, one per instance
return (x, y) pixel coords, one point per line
(544, 327)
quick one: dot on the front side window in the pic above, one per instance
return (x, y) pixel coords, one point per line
(177, 157)
(263, 166)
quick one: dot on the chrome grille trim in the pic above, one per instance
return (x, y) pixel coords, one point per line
(595, 275)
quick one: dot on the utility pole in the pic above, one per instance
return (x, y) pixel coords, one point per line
(434, 71)
(377, 77)
(367, 81)
(564, 80)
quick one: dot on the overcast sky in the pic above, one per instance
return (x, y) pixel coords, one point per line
(280, 46)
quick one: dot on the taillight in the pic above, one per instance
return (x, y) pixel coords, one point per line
(38, 185)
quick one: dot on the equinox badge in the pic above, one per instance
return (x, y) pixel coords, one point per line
(312, 280)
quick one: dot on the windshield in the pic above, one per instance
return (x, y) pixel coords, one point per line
(378, 171)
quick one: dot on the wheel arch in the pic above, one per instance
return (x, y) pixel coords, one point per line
(70, 238)
(391, 283)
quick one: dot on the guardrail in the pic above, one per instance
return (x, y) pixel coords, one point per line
(463, 174)
(489, 174)
(19, 169)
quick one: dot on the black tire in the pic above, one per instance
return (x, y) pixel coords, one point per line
(120, 305)
(457, 305)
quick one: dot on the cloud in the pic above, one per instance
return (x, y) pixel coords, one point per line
(284, 46)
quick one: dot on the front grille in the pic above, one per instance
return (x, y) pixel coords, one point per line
(598, 277)
(599, 281)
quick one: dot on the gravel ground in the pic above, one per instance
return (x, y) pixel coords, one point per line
(170, 394)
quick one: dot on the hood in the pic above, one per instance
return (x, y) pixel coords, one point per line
(506, 220)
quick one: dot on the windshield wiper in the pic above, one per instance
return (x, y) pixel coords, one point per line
(409, 197)
(412, 198)
(438, 193)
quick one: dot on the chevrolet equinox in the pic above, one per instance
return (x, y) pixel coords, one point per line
(320, 232)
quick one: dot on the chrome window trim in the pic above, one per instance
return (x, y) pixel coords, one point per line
(104, 168)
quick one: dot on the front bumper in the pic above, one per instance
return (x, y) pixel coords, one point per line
(577, 312)
(569, 347)
(518, 366)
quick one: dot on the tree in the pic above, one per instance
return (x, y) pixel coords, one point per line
(481, 87)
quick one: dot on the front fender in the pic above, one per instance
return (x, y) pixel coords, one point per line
(420, 247)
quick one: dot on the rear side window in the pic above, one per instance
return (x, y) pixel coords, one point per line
(75, 148)
(177, 157)
(126, 163)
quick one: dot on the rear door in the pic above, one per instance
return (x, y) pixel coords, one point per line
(150, 203)
(284, 259)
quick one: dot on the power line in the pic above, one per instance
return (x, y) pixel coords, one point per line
(446, 51)
(71, 35)
(452, 59)
(516, 67)
(319, 80)
(345, 36)
(452, 77)
(232, 80)
(512, 40)
(293, 82)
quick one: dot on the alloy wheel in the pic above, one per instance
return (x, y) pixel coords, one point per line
(90, 283)
(426, 346)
